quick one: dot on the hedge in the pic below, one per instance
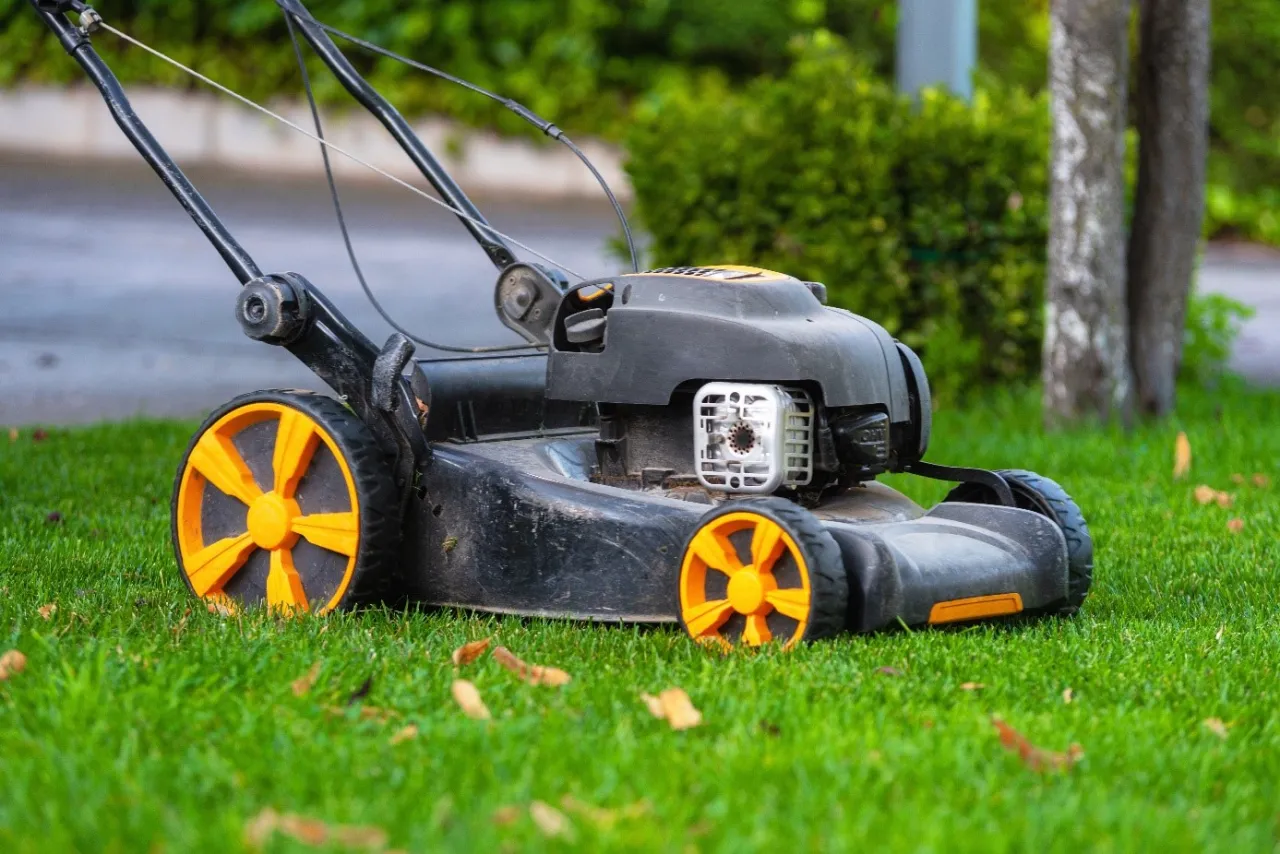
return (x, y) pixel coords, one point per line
(931, 220)
(580, 62)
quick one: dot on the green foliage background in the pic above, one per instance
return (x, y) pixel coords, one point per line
(584, 63)
(931, 218)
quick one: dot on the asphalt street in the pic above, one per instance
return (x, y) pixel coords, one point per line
(112, 303)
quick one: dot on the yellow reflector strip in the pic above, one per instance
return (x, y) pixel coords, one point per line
(975, 608)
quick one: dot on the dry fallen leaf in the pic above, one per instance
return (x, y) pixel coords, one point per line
(1235, 526)
(675, 706)
(972, 686)
(303, 683)
(469, 652)
(1216, 726)
(534, 674)
(11, 664)
(1261, 481)
(39, 435)
(601, 815)
(366, 713)
(1205, 494)
(405, 733)
(47, 611)
(1034, 757)
(13, 434)
(1223, 499)
(310, 831)
(468, 698)
(549, 820)
(1181, 456)
(503, 816)
(1068, 695)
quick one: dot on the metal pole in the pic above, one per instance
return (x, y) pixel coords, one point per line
(937, 45)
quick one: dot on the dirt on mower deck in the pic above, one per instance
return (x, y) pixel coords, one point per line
(115, 305)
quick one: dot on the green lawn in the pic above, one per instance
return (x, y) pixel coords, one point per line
(144, 723)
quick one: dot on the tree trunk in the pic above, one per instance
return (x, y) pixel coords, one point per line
(1173, 122)
(1086, 360)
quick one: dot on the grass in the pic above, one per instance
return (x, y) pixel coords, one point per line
(143, 723)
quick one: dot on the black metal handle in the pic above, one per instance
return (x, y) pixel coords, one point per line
(493, 245)
(77, 44)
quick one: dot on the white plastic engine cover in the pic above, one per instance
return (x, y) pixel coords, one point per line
(752, 438)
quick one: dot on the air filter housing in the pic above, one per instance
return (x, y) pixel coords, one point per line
(752, 438)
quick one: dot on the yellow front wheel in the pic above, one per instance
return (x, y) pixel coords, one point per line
(761, 570)
(284, 499)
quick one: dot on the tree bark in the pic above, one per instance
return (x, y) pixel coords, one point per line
(1086, 354)
(1173, 122)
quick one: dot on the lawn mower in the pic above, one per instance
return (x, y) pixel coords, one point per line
(691, 444)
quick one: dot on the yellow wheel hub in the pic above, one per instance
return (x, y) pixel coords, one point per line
(751, 589)
(273, 520)
(270, 521)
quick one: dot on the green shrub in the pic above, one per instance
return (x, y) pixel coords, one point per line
(578, 62)
(932, 221)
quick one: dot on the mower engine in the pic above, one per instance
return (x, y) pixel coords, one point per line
(731, 380)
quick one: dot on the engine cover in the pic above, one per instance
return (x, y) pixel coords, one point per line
(638, 338)
(752, 438)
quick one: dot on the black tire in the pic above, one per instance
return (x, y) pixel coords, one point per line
(815, 557)
(338, 473)
(1044, 496)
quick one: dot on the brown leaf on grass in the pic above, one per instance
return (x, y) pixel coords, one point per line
(468, 698)
(972, 686)
(366, 713)
(302, 685)
(13, 434)
(675, 707)
(47, 611)
(1181, 456)
(405, 733)
(1205, 494)
(1068, 695)
(311, 831)
(1216, 726)
(1235, 526)
(1224, 499)
(53, 518)
(602, 816)
(503, 816)
(1261, 481)
(182, 625)
(1035, 758)
(534, 674)
(39, 435)
(549, 820)
(889, 671)
(469, 652)
(11, 664)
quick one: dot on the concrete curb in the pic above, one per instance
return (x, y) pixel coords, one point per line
(207, 130)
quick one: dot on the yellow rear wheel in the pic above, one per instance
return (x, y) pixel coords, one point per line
(284, 499)
(762, 570)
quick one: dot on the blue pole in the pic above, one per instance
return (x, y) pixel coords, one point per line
(937, 45)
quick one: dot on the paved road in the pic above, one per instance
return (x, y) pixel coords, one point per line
(112, 303)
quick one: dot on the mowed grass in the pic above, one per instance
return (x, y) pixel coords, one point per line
(145, 723)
